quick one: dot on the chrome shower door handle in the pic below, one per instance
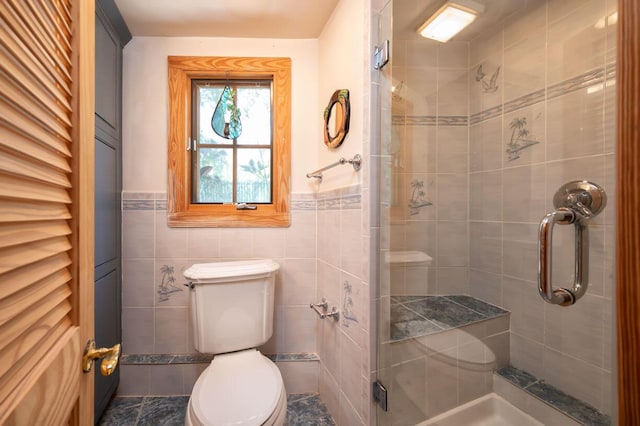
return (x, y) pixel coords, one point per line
(576, 202)
(562, 296)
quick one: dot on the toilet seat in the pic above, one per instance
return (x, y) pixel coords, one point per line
(240, 388)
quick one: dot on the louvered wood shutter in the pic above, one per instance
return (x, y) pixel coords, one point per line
(35, 183)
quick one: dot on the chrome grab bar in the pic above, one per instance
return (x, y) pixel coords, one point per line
(576, 202)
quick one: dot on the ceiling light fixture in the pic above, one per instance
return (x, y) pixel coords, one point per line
(450, 19)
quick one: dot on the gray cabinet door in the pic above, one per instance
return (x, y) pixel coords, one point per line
(108, 189)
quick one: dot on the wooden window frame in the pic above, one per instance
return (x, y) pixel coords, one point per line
(181, 211)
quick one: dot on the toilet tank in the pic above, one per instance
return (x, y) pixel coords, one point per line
(231, 304)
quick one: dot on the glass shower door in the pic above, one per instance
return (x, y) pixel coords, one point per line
(476, 136)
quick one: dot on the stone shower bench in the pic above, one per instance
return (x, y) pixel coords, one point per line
(416, 316)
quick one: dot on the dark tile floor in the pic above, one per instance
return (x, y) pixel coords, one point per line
(302, 409)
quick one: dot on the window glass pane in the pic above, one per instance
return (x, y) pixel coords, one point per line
(215, 175)
(208, 97)
(255, 108)
(254, 175)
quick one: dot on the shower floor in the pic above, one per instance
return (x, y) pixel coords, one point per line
(415, 316)
(489, 410)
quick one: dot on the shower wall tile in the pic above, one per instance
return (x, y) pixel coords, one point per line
(419, 149)
(442, 385)
(453, 54)
(485, 196)
(486, 286)
(577, 332)
(486, 82)
(473, 382)
(486, 246)
(528, 20)
(421, 236)
(485, 145)
(453, 152)
(527, 354)
(575, 41)
(524, 195)
(419, 54)
(527, 309)
(575, 377)
(408, 395)
(520, 251)
(575, 125)
(452, 92)
(451, 281)
(524, 136)
(523, 73)
(452, 244)
(452, 197)
(422, 99)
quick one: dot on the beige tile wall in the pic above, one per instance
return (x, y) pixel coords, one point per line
(153, 324)
(343, 279)
(541, 48)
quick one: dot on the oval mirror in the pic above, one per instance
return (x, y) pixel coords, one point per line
(336, 118)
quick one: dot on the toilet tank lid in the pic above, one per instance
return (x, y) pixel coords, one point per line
(201, 272)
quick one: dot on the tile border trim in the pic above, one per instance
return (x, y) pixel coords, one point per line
(572, 407)
(593, 77)
(173, 359)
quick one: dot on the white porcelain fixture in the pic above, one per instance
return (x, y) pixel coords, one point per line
(231, 307)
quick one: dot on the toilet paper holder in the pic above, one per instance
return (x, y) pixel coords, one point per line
(322, 308)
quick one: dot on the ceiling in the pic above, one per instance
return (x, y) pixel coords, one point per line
(227, 18)
(408, 15)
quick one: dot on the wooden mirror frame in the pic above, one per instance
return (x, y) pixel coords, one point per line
(343, 112)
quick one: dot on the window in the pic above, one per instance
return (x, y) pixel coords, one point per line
(229, 141)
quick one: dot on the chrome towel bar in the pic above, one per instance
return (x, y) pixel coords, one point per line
(356, 162)
(576, 202)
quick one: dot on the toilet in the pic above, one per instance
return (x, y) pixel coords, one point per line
(231, 308)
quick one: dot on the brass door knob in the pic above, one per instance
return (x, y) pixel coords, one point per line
(109, 357)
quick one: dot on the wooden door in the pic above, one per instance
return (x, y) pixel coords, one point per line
(46, 210)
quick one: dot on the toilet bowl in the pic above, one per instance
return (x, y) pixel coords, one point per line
(231, 306)
(241, 388)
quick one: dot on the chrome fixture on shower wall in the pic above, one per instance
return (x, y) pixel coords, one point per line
(576, 202)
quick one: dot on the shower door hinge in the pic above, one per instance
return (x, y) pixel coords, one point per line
(380, 395)
(381, 55)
